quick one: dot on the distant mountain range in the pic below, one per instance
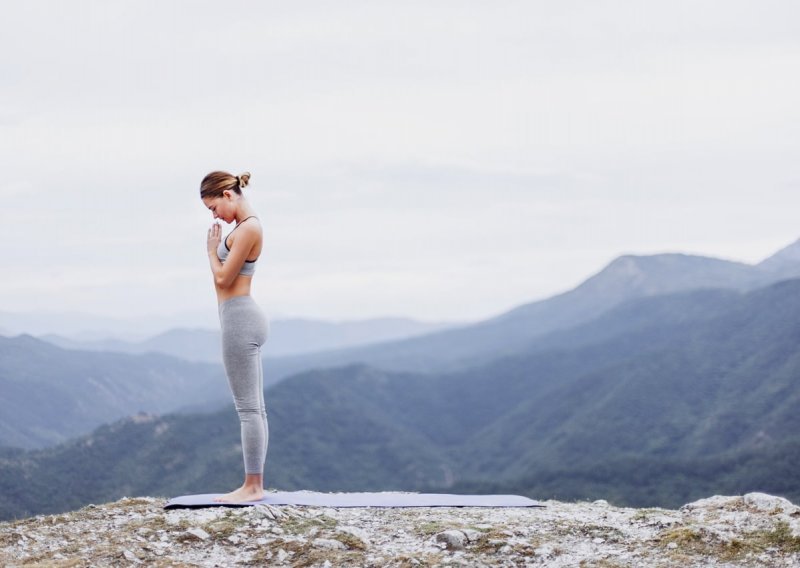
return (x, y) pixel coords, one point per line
(655, 363)
(51, 394)
(654, 403)
(287, 337)
(449, 350)
(628, 277)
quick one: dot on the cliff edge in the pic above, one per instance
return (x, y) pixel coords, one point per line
(751, 530)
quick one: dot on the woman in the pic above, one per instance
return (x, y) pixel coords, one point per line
(244, 326)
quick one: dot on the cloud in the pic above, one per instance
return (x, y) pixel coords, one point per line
(393, 147)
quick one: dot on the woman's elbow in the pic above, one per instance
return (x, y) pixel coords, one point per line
(221, 281)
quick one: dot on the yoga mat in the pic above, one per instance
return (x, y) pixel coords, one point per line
(378, 499)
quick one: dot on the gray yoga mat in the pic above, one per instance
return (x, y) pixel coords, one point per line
(379, 499)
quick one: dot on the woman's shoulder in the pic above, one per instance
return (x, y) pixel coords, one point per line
(250, 224)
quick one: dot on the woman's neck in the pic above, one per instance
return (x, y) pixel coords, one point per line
(244, 211)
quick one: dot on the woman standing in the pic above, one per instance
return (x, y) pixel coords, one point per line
(244, 326)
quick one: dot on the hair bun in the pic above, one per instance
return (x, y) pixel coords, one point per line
(243, 180)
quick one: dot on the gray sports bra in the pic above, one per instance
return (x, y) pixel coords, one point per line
(249, 266)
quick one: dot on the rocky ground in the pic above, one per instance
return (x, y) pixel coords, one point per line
(753, 530)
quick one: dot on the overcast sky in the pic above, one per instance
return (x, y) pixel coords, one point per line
(435, 159)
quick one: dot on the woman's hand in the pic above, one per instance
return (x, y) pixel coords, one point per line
(214, 238)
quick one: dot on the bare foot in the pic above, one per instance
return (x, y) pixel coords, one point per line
(241, 495)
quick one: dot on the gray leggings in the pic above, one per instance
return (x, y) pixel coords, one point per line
(244, 330)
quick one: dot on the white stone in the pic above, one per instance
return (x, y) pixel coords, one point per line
(360, 534)
(598, 540)
(715, 502)
(600, 502)
(130, 556)
(672, 545)
(198, 532)
(452, 539)
(472, 535)
(769, 503)
(282, 554)
(328, 543)
(263, 511)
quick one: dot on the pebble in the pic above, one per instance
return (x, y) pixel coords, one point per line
(328, 543)
(452, 539)
(198, 532)
(130, 556)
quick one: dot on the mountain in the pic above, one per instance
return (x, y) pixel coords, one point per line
(626, 278)
(656, 402)
(785, 263)
(519, 330)
(80, 326)
(287, 337)
(51, 394)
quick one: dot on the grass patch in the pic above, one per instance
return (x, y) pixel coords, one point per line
(133, 502)
(601, 563)
(779, 538)
(643, 514)
(351, 541)
(429, 528)
(682, 536)
(304, 555)
(224, 527)
(301, 525)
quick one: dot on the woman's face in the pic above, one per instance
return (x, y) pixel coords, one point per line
(221, 207)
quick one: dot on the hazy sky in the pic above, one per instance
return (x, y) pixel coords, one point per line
(440, 160)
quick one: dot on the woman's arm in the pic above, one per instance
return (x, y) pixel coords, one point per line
(225, 274)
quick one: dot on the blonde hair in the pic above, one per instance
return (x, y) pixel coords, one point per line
(216, 182)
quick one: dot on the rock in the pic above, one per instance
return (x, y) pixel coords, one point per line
(472, 535)
(452, 539)
(198, 533)
(282, 554)
(600, 503)
(360, 534)
(130, 556)
(263, 511)
(715, 502)
(328, 543)
(598, 540)
(672, 545)
(769, 503)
